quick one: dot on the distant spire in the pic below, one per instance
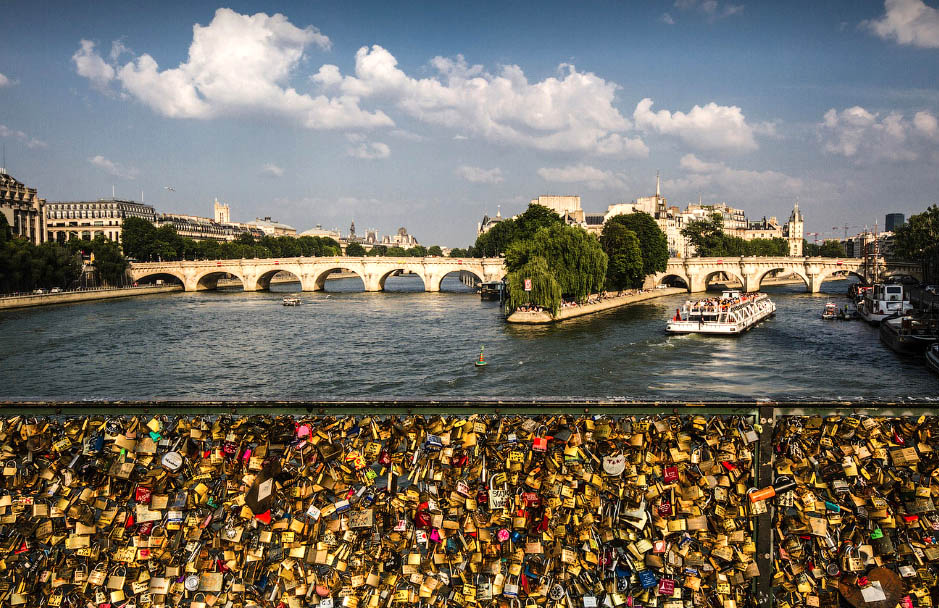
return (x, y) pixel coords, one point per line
(498, 210)
(658, 189)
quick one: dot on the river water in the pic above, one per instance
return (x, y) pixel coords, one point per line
(407, 343)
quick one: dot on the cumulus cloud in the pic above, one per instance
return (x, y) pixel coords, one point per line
(369, 151)
(4, 81)
(237, 64)
(712, 10)
(571, 112)
(709, 127)
(591, 177)
(29, 142)
(478, 175)
(667, 19)
(865, 136)
(112, 168)
(272, 170)
(909, 22)
(90, 65)
(732, 183)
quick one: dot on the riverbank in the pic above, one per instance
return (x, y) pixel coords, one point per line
(68, 297)
(538, 318)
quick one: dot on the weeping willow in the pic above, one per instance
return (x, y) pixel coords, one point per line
(545, 291)
(570, 255)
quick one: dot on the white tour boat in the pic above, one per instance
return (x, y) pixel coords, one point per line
(291, 301)
(732, 313)
(883, 301)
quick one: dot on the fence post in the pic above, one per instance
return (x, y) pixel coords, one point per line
(764, 522)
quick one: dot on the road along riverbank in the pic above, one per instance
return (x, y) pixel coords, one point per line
(537, 318)
(68, 297)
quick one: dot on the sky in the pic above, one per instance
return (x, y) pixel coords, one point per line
(429, 115)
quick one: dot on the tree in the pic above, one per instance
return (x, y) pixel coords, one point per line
(396, 252)
(830, 249)
(621, 245)
(138, 237)
(456, 252)
(545, 291)
(109, 261)
(435, 250)
(378, 250)
(496, 241)
(574, 258)
(534, 219)
(355, 250)
(918, 241)
(417, 251)
(652, 241)
(706, 235)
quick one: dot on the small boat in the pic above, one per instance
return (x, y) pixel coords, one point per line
(932, 358)
(909, 334)
(291, 301)
(491, 290)
(732, 314)
(884, 300)
(831, 311)
(481, 362)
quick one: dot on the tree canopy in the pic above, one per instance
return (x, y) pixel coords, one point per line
(572, 256)
(498, 239)
(355, 250)
(25, 267)
(435, 250)
(828, 249)
(621, 245)
(653, 244)
(918, 241)
(709, 240)
(145, 242)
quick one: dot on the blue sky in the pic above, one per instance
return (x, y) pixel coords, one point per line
(427, 115)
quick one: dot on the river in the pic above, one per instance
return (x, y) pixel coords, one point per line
(407, 343)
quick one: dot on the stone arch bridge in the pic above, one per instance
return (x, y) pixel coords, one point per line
(256, 274)
(750, 271)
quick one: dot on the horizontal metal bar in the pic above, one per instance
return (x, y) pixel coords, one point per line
(466, 406)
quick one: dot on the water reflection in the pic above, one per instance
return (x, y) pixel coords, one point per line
(345, 342)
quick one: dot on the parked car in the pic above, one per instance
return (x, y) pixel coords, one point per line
(55, 290)
(40, 291)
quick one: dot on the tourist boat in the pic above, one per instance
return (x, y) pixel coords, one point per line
(731, 314)
(909, 334)
(491, 290)
(932, 358)
(291, 301)
(830, 312)
(884, 300)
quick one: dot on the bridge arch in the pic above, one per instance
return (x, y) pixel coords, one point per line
(319, 281)
(163, 274)
(209, 280)
(387, 273)
(763, 272)
(264, 279)
(731, 272)
(673, 279)
(439, 280)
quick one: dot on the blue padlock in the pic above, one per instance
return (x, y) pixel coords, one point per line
(647, 579)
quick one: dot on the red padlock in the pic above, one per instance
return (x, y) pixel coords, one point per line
(666, 586)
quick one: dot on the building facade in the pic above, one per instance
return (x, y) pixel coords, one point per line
(894, 221)
(400, 239)
(222, 213)
(567, 206)
(88, 219)
(23, 209)
(273, 228)
(205, 229)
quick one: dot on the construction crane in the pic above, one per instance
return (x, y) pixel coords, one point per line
(815, 234)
